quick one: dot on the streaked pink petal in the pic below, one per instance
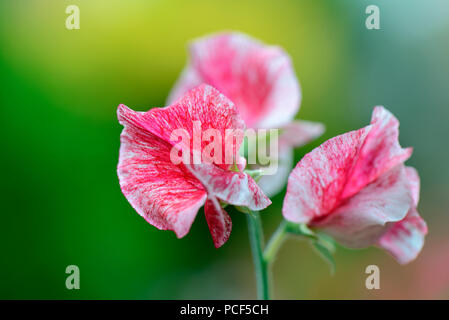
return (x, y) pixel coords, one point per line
(259, 79)
(405, 239)
(299, 132)
(218, 220)
(166, 195)
(241, 163)
(203, 105)
(413, 179)
(315, 185)
(235, 188)
(364, 218)
(380, 152)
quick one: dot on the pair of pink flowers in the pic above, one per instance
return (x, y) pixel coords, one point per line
(354, 186)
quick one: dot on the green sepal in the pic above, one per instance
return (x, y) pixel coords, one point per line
(301, 230)
(244, 210)
(322, 243)
(325, 247)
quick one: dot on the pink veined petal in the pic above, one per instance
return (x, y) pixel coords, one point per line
(218, 220)
(259, 79)
(168, 196)
(299, 132)
(236, 188)
(284, 100)
(202, 105)
(241, 163)
(315, 184)
(413, 178)
(405, 239)
(364, 218)
(380, 152)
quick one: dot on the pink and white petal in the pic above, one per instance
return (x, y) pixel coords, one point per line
(241, 163)
(188, 80)
(405, 239)
(220, 60)
(204, 104)
(364, 218)
(236, 188)
(299, 132)
(218, 220)
(413, 178)
(168, 196)
(315, 184)
(380, 152)
(200, 109)
(259, 79)
(284, 99)
(273, 184)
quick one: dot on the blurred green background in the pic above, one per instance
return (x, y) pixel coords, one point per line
(60, 199)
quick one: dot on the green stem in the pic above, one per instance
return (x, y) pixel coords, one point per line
(275, 242)
(260, 265)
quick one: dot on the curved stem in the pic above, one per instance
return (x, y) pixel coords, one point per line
(275, 242)
(260, 265)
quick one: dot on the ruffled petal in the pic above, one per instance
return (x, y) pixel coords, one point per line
(200, 110)
(315, 185)
(168, 196)
(414, 181)
(405, 239)
(218, 220)
(365, 217)
(380, 152)
(259, 79)
(236, 188)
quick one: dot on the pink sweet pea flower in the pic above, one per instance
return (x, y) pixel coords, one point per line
(169, 195)
(356, 188)
(260, 80)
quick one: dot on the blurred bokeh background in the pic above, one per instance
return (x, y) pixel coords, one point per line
(60, 199)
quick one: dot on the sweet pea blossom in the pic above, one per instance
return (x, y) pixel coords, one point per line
(356, 188)
(168, 195)
(260, 80)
